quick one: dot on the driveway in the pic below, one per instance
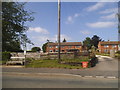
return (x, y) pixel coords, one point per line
(106, 64)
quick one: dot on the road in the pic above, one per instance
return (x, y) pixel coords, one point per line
(43, 81)
(26, 77)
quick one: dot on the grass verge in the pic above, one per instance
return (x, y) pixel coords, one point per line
(54, 64)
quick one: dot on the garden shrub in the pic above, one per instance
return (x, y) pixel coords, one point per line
(118, 52)
(6, 56)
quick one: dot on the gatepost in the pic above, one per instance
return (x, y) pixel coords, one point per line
(112, 53)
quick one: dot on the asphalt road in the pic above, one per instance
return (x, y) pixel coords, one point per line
(67, 81)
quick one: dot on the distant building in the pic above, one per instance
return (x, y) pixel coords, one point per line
(65, 47)
(106, 46)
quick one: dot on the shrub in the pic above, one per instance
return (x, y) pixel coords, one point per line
(6, 56)
(29, 60)
(118, 52)
(93, 61)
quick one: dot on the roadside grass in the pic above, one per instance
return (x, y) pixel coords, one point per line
(117, 56)
(3, 62)
(54, 64)
(78, 59)
(0, 62)
(103, 54)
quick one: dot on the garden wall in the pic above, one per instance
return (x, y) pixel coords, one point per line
(36, 55)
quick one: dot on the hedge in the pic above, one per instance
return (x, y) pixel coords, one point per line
(6, 56)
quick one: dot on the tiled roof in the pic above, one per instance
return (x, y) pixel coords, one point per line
(67, 44)
(109, 42)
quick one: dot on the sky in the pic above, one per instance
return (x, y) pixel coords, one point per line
(78, 21)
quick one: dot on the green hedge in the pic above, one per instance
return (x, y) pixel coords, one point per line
(6, 56)
(118, 52)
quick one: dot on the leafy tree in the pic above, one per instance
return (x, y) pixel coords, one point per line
(13, 25)
(87, 43)
(64, 40)
(95, 40)
(44, 47)
(36, 49)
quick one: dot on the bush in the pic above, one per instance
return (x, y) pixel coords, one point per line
(6, 56)
(118, 52)
(93, 61)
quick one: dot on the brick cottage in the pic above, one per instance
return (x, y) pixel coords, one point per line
(106, 46)
(103, 47)
(65, 47)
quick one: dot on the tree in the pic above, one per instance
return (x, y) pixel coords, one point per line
(95, 40)
(44, 47)
(87, 43)
(36, 49)
(64, 40)
(13, 25)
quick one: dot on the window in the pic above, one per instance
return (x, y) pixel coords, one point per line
(50, 46)
(106, 46)
(50, 51)
(77, 46)
(105, 50)
(62, 46)
(69, 46)
(114, 46)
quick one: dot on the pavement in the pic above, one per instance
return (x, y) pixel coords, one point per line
(107, 67)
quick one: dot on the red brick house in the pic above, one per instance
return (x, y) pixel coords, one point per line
(65, 47)
(106, 46)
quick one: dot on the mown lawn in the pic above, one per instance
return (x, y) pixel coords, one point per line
(54, 64)
(103, 54)
(3, 62)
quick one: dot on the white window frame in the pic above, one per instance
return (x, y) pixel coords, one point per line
(106, 45)
(50, 51)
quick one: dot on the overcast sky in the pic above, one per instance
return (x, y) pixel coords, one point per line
(78, 21)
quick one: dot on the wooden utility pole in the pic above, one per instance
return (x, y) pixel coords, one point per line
(59, 31)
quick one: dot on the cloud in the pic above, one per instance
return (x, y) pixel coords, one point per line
(95, 7)
(85, 32)
(40, 38)
(43, 38)
(70, 19)
(108, 17)
(107, 11)
(76, 15)
(101, 24)
(38, 30)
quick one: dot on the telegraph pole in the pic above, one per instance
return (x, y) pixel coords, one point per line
(59, 31)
